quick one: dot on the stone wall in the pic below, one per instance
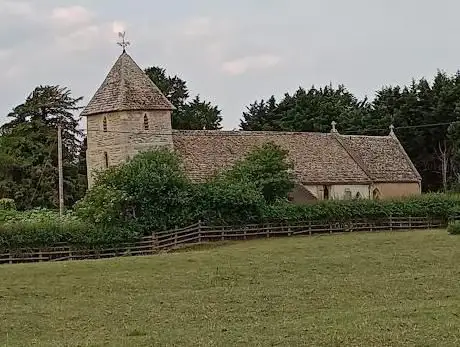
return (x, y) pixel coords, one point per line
(125, 137)
(395, 190)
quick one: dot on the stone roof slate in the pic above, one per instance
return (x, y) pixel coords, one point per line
(127, 88)
(318, 158)
(384, 158)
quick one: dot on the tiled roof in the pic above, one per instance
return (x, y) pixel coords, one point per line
(384, 158)
(318, 158)
(127, 88)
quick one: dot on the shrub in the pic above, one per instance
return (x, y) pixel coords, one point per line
(267, 169)
(454, 228)
(150, 192)
(7, 205)
(42, 228)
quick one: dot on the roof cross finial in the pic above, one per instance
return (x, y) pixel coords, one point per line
(392, 130)
(123, 43)
(334, 129)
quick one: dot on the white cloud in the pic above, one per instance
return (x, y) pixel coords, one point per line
(72, 15)
(15, 8)
(118, 27)
(245, 64)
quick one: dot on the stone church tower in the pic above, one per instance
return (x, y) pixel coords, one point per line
(127, 115)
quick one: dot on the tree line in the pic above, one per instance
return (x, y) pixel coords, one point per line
(426, 116)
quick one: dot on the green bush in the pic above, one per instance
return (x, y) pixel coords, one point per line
(454, 228)
(44, 228)
(267, 169)
(430, 205)
(7, 205)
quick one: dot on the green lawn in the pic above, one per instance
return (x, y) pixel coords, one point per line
(386, 289)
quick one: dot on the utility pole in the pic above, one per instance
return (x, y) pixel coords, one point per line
(61, 175)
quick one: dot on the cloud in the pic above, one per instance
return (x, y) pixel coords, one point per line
(118, 27)
(15, 8)
(72, 15)
(257, 62)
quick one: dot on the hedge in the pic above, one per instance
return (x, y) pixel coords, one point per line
(43, 228)
(441, 206)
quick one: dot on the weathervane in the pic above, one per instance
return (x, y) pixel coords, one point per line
(123, 43)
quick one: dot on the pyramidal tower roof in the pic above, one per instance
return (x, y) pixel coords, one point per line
(127, 88)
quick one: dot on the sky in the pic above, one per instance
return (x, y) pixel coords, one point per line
(230, 52)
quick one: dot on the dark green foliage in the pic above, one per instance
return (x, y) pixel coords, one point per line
(198, 115)
(224, 202)
(311, 110)
(454, 228)
(44, 228)
(409, 108)
(268, 169)
(7, 205)
(430, 205)
(189, 115)
(28, 150)
(150, 192)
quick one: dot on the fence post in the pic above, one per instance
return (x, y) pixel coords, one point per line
(222, 236)
(267, 232)
(410, 223)
(309, 227)
(10, 260)
(199, 231)
(330, 228)
(391, 222)
(40, 256)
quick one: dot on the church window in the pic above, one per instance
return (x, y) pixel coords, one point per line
(376, 194)
(146, 122)
(358, 195)
(104, 124)
(326, 193)
(106, 159)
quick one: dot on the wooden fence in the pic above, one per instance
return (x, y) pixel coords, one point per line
(198, 234)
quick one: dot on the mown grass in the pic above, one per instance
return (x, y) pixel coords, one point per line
(386, 289)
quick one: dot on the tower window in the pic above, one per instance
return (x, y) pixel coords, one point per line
(146, 122)
(104, 124)
(106, 159)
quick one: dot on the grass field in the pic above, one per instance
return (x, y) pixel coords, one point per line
(386, 289)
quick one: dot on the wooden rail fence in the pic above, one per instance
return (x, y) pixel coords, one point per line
(200, 234)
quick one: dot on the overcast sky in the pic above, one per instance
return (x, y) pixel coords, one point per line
(230, 52)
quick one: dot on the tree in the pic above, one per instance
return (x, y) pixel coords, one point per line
(198, 115)
(29, 145)
(189, 115)
(268, 169)
(261, 116)
(423, 113)
(311, 110)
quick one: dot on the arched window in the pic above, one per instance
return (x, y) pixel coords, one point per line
(358, 195)
(376, 194)
(326, 193)
(106, 159)
(146, 122)
(104, 124)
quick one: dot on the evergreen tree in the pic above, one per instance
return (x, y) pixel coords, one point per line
(29, 144)
(189, 115)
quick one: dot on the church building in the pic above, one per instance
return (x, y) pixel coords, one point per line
(129, 114)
